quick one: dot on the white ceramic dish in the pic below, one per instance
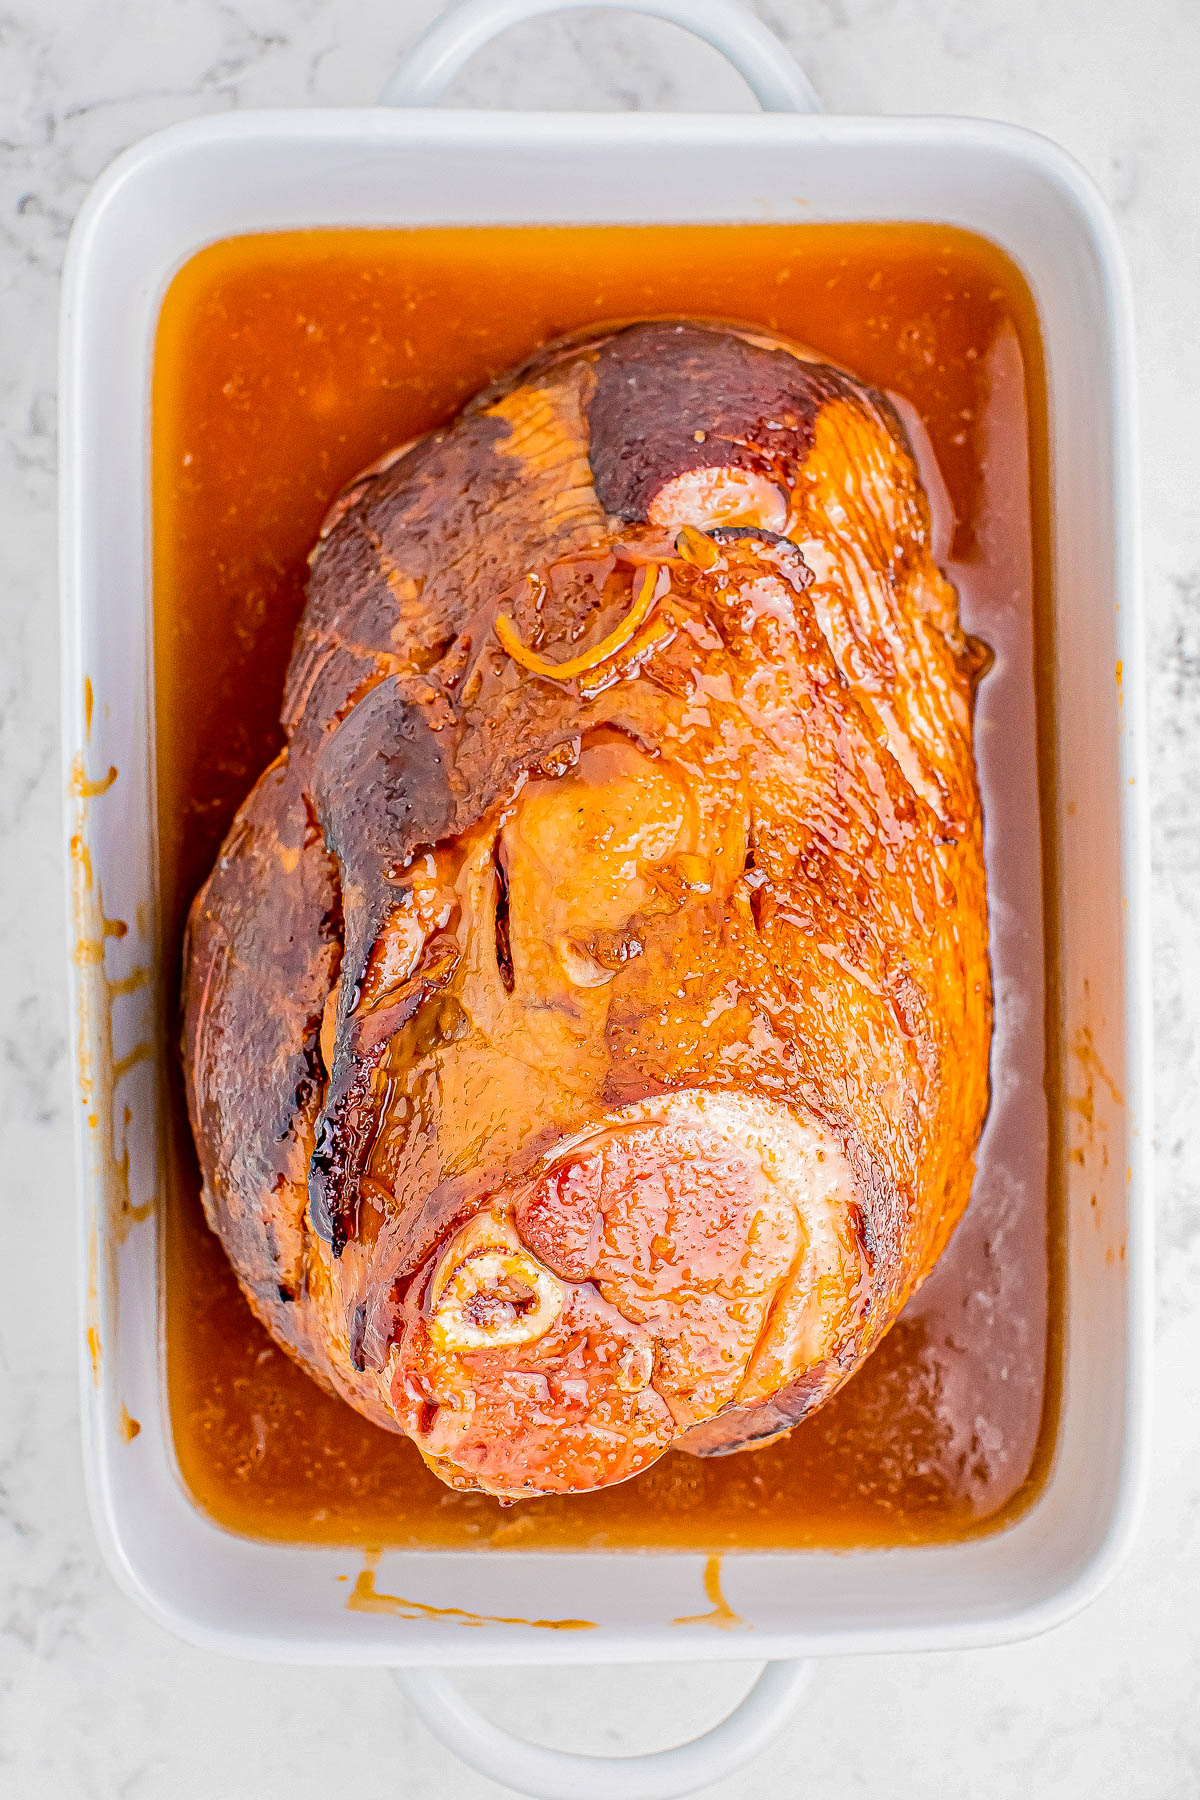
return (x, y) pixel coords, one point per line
(217, 177)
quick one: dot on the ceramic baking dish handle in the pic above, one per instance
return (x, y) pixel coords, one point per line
(775, 79)
(545, 1774)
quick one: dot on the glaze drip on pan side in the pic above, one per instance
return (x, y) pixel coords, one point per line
(587, 1019)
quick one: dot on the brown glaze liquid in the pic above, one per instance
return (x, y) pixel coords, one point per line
(284, 365)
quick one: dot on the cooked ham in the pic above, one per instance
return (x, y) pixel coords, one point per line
(587, 1019)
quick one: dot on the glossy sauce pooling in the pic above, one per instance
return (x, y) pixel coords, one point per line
(284, 365)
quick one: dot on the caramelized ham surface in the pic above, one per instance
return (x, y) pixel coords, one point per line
(586, 1023)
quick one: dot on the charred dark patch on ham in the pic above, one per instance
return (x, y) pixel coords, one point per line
(358, 1326)
(504, 961)
(348, 1125)
(672, 398)
(379, 782)
(310, 1083)
(380, 791)
(266, 931)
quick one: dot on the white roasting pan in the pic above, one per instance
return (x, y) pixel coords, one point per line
(402, 163)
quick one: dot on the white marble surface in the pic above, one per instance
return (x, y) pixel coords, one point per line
(94, 1700)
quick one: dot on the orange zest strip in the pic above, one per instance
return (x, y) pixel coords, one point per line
(616, 640)
(696, 547)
